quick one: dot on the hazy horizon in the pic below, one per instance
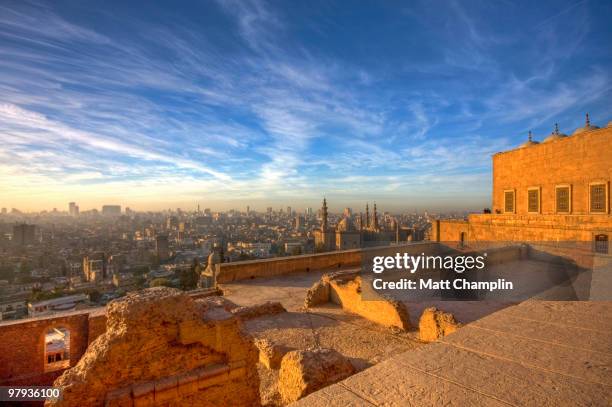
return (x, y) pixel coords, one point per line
(235, 103)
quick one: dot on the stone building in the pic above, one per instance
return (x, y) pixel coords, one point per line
(347, 235)
(554, 190)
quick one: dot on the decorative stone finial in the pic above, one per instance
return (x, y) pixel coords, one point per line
(588, 122)
(556, 128)
(529, 137)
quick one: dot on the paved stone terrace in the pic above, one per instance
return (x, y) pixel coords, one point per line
(532, 354)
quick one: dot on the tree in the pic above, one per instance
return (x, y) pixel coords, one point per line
(94, 295)
(189, 276)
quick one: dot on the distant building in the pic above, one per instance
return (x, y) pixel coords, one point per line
(73, 209)
(557, 190)
(161, 247)
(54, 305)
(24, 234)
(111, 210)
(346, 235)
(94, 267)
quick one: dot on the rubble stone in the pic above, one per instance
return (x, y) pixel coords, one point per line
(161, 345)
(436, 324)
(304, 371)
(270, 354)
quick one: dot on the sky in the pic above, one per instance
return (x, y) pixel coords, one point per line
(231, 103)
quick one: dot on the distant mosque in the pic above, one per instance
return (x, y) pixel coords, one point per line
(369, 232)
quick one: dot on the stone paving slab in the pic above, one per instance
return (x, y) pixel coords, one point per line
(509, 381)
(583, 364)
(588, 315)
(533, 354)
(548, 332)
(391, 384)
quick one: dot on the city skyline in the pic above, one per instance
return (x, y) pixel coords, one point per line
(255, 103)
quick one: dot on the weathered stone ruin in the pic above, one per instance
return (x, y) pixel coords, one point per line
(258, 310)
(436, 324)
(344, 289)
(305, 371)
(161, 347)
(270, 354)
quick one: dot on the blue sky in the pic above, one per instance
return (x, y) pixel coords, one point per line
(278, 103)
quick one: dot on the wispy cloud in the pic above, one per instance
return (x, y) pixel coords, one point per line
(252, 100)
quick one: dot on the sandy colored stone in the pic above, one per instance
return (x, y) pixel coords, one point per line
(270, 354)
(318, 294)
(436, 324)
(255, 311)
(305, 371)
(159, 339)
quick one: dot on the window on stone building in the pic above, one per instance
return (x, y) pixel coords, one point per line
(597, 198)
(533, 200)
(509, 201)
(57, 349)
(563, 199)
(601, 244)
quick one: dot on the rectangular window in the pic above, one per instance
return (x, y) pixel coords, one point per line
(601, 244)
(533, 200)
(509, 201)
(598, 198)
(563, 199)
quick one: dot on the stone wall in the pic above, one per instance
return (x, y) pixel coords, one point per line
(243, 270)
(524, 228)
(163, 348)
(383, 311)
(576, 161)
(22, 345)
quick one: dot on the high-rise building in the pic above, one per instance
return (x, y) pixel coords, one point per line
(4, 211)
(111, 210)
(24, 234)
(161, 247)
(289, 210)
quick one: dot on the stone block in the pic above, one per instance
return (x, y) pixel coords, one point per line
(304, 371)
(436, 324)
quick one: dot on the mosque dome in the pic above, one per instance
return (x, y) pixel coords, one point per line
(555, 135)
(587, 126)
(346, 225)
(529, 141)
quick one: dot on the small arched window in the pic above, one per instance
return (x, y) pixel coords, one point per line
(601, 244)
(57, 349)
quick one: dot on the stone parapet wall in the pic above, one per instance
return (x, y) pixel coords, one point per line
(524, 228)
(244, 270)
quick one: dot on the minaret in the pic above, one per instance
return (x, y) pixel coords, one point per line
(360, 229)
(324, 216)
(375, 218)
(367, 216)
